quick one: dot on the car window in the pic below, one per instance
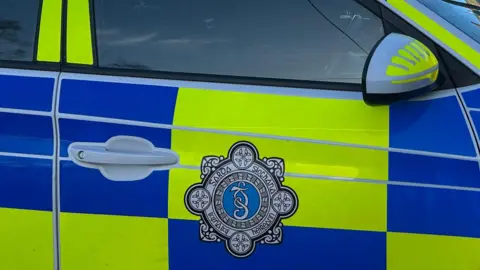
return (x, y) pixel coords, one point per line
(18, 25)
(465, 19)
(276, 39)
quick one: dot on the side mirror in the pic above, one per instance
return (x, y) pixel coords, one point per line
(398, 68)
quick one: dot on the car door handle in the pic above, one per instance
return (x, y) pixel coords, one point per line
(100, 155)
(123, 158)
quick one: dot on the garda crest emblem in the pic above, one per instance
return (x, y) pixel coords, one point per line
(241, 200)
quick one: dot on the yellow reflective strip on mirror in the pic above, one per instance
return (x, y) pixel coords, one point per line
(79, 34)
(439, 32)
(50, 31)
(407, 55)
(419, 49)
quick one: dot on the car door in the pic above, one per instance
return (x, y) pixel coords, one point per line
(29, 69)
(281, 164)
(452, 243)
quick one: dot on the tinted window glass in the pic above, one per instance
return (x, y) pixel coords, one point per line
(18, 25)
(287, 39)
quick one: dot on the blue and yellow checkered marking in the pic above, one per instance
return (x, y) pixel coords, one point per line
(138, 102)
(435, 125)
(433, 211)
(348, 220)
(26, 229)
(472, 98)
(26, 183)
(302, 248)
(26, 206)
(16, 88)
(27, 134)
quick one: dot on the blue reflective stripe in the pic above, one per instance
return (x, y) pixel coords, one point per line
(26, 183)
(301, 248)
(472, 98)
(85, 131)
(27, 93)
(118, 100)
(433, 170)
(433, 211)
(436, 125)
(87, 191)
(28, 134)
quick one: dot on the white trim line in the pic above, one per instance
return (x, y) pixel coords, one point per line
(469, 88)
(25, 112)
(361, 180)
(213, 86)
(28, 73)
(22, 155)
(436, 95)
(55, 176)
(469, 123)
(218, 131)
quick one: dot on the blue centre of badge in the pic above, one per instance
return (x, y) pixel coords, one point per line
(241, 200)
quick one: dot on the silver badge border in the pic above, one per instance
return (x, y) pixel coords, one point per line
(273, 234)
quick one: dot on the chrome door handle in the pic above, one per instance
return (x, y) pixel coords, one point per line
(123, 158)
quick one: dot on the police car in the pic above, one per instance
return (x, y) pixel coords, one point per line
(219, 134)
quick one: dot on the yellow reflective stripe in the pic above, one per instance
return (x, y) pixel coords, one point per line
(79, 34)
(322, 203)
(112, 242)
(422, 252)
(442, 34)
(407, 55)
(395, 70)
(300, 157)
(26, 239)
(348, 121)
(419, 49)
(339, 205)
(50, 31)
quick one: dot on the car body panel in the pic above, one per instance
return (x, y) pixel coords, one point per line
(26, 165)
(391, 187)
(387, 171)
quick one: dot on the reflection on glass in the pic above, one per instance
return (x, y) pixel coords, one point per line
(465, 19)
(287, 39)
(18, 21)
